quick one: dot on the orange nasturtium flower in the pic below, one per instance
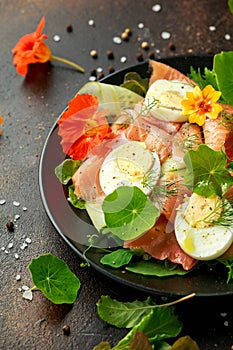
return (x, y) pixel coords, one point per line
(82, 127)
(32, 49)
(201, 104)
(1, 121)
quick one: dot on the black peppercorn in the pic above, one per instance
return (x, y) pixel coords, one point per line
(10, 226)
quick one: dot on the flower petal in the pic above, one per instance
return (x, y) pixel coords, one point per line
(31, 49)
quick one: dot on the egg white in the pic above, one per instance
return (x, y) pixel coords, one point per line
(201, 243)
(164, 97)
(127, 165)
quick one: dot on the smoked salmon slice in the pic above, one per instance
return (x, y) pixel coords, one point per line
(215, 134)
(188, 137)
(162, 245)
(163, 71)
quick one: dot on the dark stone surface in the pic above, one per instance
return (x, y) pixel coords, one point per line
(30, 107)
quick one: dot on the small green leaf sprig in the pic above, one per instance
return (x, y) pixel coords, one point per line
(150, 325)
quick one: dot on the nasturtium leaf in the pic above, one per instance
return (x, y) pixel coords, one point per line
(134, 82)
(66, 170)
(223, 68)
(118, 258)
(123, 314)
(161, 323)
(75, 201)
(129, 212)
(134, 86)
(155, 268)
(54, 279)
(206, 172)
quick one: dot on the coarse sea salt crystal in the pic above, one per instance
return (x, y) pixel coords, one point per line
(23, 246)
(165, 35)
(227, 36)
(10, 245)
(156, 8)
(28, 240)
(25, 287)
(117, 40)
(99, 69)
(27, 294)
(18, 277)
(92, 78)
(56, 38)
(212, 28)
(123, 59)
(17, 216)
(16, 204)
(91, 22)
(141, 25)
(16, 256)
(2, 201)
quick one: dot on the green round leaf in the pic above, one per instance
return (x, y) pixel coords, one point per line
(206, 172)
(129, 212)
(54, 279)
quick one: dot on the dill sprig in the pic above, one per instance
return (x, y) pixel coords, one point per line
(158, 193)
(190, 142)
(226, 215)
(221, 214)
(226, 119)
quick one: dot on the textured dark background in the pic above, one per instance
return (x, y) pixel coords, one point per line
(30, 107)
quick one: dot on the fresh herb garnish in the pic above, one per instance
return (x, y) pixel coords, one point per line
(118, 258)
(165, 189)
(129, 212)
(225, 213)
(66, 170)
(147, 321)
(206, 172)
(134, 82)
(75, 200)
(207, 77)
(54, 279)
(229, 265)
(156, 268)
(222, 67)
(230, 4)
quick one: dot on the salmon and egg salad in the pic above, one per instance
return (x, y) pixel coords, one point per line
(159, 143)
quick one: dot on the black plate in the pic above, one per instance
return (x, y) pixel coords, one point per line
(74, 225)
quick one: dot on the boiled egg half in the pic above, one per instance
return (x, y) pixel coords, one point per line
(163, 99)
(194, 232)
(128, 165)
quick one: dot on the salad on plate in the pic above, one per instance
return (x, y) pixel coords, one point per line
(151, 162)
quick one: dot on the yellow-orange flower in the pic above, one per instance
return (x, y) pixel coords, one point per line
(1, 121)
(201, 104)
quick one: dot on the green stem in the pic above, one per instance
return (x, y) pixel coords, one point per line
(33, 288)
(72, 64)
